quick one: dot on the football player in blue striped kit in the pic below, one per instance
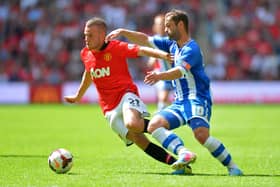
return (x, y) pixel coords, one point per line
(193, 102)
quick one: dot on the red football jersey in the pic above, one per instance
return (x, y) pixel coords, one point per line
(109, 72)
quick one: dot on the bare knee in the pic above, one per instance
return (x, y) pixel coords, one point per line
(201, 134)
(156, 123)
(135, 125)
(133, 120)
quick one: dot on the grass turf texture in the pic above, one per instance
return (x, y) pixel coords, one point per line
(29, 133)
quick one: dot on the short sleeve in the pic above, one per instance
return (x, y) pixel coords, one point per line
(128, 50)
(159, 42)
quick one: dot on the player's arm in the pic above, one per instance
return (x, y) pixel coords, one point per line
(133, 36)
(184, 65)
(85, 83)
(156, 53)
(171, 74)
(152, 61)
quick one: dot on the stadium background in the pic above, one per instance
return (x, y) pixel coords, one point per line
(40, 43)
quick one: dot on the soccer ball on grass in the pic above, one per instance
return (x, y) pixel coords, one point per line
(60, 160)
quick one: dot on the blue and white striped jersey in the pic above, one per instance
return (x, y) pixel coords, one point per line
(163, 64)
(194, 84)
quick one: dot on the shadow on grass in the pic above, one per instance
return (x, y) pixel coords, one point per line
(73, 173)
(245, 175)
(207, 174)
(23, 156)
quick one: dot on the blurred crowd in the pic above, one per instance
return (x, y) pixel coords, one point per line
(40, 41)
(244, 39)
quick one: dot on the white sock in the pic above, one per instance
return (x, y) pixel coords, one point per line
(218, 151)
(169, 140)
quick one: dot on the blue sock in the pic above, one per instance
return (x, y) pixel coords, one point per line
(168, 140)
(218, 150)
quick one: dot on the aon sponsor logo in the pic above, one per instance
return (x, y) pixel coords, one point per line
(100, 72)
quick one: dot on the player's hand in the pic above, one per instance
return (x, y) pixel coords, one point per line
(169, 58)
(112, 35)
(71, 99)
(151, 78)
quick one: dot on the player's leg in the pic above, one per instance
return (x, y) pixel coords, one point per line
(150, 148)
(199, 116)
(116, 123)
(159, 126)
(133, 120)
(130, 112)
(162, 99)
(157, 152)
(133, 110)
(163, 90)
(201, 132)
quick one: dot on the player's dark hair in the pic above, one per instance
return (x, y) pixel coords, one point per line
(177, 16)
(97, 22)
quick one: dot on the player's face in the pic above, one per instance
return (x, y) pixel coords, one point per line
(93, 37)
(171, 29)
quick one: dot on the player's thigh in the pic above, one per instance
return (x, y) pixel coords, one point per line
(134, 110)
(133, 120)
(197, 109)
(116, 123)
(131, 115)
(156, 122)
(170, 117)
(132, 101)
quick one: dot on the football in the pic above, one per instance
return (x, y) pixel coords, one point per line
(60, 160)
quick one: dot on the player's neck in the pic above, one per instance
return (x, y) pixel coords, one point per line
(102, 47)
(105, 44)
(183, 40)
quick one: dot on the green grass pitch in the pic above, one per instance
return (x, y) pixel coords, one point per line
(28, 134)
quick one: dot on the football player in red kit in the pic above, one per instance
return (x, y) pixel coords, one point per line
(106, 66)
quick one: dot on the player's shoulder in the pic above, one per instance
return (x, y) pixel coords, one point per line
(122, 45)
(191, 46)
(86, 55)
(160, 38)
(116, 44)
(84, 51)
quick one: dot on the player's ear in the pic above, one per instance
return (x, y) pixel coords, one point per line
(180, 24)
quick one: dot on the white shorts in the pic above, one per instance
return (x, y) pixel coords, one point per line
(115, 116)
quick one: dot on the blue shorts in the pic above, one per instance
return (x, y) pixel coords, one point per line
(181, 112)
(164, 85)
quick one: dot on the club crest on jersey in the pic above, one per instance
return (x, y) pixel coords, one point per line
(100, 72)
(107, 57)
